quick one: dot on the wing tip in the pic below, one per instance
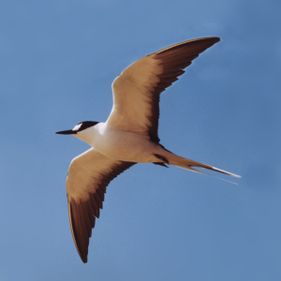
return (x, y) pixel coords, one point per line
(211, 39)
(214, 38)
(84, 258)
(83, 253)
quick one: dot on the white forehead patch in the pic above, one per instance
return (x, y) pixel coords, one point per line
(77, 127)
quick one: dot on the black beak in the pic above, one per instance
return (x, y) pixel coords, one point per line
(67, 132)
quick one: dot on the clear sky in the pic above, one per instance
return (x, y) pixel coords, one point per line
(57, 61)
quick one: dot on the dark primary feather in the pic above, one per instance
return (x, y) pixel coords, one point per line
(83, 213)
(136, 91)
(173, 60)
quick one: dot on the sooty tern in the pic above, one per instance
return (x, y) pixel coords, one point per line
(128, 136)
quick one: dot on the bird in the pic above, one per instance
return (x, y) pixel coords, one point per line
(128, 136)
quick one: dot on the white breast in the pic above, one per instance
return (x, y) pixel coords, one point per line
(117, 144)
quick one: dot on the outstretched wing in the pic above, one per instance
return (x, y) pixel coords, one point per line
(136, 91)
(88, 175)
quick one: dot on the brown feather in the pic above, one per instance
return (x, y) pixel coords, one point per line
(143, 81)
(84, 211)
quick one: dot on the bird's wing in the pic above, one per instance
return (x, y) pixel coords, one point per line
(136, 91)
(88, 175)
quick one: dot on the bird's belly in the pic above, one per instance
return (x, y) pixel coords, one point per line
(125, 146)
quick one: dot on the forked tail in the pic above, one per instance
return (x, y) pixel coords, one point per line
(173, 159)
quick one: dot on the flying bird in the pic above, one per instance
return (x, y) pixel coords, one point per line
(128, 136)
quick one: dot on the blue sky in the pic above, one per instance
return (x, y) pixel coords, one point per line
(57, 61)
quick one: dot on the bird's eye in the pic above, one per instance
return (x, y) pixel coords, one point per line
(77, 127)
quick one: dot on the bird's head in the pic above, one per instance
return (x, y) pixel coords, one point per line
(80, 130)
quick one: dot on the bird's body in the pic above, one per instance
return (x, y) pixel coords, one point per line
(129, 135)
(120, 145)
